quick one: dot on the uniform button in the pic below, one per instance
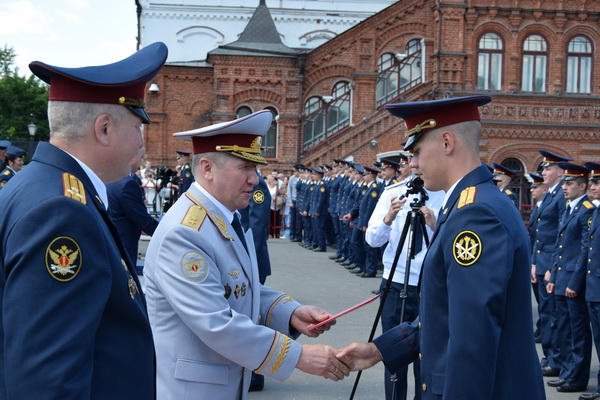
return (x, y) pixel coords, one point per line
(539, 219)
(559, 268)
(424, 387)
(560, 247)
(562, 234)
(538, 252)
(420, 356)
(589, 260)
(419, 325)
(537, 241)
(560, 257)
(537, 230)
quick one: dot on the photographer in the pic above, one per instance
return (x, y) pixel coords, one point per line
(385, 226)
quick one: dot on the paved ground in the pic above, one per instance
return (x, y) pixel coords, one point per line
(313, 279)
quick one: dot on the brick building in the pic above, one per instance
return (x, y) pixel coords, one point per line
(538, 59)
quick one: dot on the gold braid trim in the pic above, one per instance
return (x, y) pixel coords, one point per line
(429, 124)
(218, 221)
(285, 347)
(270, 312)
(270, 355)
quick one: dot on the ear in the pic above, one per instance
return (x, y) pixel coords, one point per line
(102, 129)
(448, 141)
(206, 167)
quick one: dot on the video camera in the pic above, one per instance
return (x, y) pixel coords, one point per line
(415, 185)
(164, 175)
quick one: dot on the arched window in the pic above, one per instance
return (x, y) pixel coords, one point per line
(270, 143)
(579, 65)
(314, 122)
(489, 67)
(387, 80)
(518, 182)
(399, 72)
(243, 111)
(535, 60)
(411, 72)
(338, 112)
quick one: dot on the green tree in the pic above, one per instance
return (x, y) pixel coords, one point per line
(23, 100)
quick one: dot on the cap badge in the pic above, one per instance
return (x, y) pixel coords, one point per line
(467, 248)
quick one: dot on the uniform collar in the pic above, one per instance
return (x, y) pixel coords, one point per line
(224, 210)
(94, 179)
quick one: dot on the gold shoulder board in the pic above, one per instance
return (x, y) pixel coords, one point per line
(194, 217)
(73, 188)
(467, 196)
(508, 192)
(588, 205)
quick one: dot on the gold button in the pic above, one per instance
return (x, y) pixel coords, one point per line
(589, 260)
(537, 241)
(562, 234)
(559, 268)
(560, 258)
(419, 325)
(538, 252)
(539, 219)
(420, 356)
(537, 230)
(424, 387)
(560, 247)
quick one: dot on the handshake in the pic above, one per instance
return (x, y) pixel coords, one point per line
(323, 360)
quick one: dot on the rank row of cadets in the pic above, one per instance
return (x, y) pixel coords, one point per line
(566, 269)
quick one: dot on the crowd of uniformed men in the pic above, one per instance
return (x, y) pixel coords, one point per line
(332, 205)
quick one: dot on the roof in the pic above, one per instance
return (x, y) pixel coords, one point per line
(259, 37)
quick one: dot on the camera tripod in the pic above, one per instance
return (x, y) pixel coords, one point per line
(415, 221)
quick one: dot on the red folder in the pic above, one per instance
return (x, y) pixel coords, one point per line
(336, 316)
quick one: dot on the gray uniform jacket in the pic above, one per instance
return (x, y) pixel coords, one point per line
(212, 320)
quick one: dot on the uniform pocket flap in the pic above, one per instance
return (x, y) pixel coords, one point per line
(195, 371)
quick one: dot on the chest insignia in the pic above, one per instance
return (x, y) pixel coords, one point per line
(194, 267)
(63, 259)
(234, 273)
(466, 248)
(227, 291)
(133, 288)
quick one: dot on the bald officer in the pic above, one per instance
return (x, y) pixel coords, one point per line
(213, 321)
(73, 318)
(473, 335)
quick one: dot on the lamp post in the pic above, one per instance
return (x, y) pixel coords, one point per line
(32, 129)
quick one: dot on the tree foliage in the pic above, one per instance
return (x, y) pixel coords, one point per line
(23, 100)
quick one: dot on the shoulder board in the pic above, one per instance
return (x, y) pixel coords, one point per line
(6, 172)
(394, 181)
(588, 205)
(395, 185)
(196, 214)
(73, 188)
(467, 196)
(194, 217)
(508, 192)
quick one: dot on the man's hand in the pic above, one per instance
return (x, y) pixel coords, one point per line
(533, 275)
(570, 293)
(547, 276)
(429, 215)
(550, 287)
(317, 359)
(305, 316)
(395, 207)
(346, 217)
(361, 355)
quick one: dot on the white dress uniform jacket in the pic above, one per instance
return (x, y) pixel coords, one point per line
(212, 320)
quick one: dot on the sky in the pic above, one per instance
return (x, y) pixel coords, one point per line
(68, 33)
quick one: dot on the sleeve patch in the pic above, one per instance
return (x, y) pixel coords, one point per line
(466, 248)
(63, 259)
(467, 196)
(194, 267)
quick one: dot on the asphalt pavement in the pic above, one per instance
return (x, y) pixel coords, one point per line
(311, 278)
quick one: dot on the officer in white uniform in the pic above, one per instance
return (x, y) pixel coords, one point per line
(212, 320)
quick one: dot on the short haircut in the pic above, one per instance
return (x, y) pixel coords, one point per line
(68, 118)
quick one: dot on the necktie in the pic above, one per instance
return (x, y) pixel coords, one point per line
(237, 227)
